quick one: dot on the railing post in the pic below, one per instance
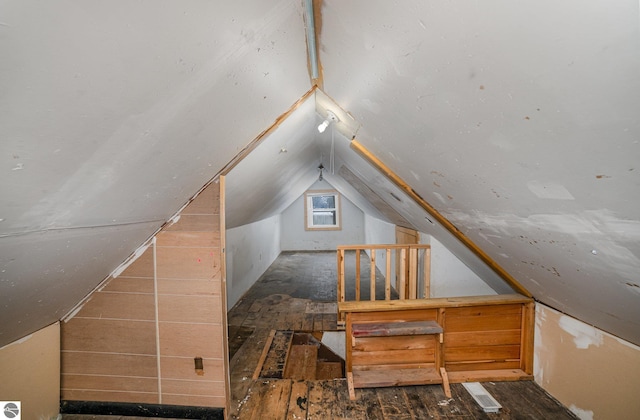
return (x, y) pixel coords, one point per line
(341, 279)
(427, 273)
(403, 274)
(372, 280)
(413, 272)
(387, 277)
(358, 274)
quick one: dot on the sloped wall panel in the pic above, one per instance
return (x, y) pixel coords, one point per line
(136, 338)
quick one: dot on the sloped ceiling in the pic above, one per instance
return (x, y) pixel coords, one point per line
(516, 120)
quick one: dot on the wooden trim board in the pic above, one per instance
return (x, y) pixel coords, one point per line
(455, 302)
(400, 183)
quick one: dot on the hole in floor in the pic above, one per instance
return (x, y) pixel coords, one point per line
(300, 355)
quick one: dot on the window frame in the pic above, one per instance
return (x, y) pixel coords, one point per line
(308, 210)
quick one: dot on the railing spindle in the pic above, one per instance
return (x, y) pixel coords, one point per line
(408, 270)
(387, 277)
(358, 274)
(341, 278)
(403, 273)
(372, 279)
(427, 273)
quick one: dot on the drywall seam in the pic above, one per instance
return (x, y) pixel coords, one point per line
(155, 297)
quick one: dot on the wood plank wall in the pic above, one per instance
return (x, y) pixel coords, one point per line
(135, 340)
(483, 337)
(417, 351)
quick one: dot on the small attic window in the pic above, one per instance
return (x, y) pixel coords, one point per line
(322, 210)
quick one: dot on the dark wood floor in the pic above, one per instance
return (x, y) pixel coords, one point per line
(291, 296)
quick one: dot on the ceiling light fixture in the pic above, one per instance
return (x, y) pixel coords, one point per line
(331, 118)
(320, 168)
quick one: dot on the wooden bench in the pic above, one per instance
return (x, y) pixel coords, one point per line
(434, 341)
(393, 354)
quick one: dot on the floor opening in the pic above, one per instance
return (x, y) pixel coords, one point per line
(299, 355)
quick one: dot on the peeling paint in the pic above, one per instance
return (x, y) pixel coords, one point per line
(538, 348)
(439, 197)
(175, 219)
(584, 335)
(73, 313)
(131, 260)
(582, 414)
(549, 190)
(20, 341)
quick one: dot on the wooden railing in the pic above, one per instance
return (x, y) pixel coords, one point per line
(412, 271)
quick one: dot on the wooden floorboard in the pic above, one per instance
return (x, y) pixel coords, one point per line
(294, 294)
(298, 282)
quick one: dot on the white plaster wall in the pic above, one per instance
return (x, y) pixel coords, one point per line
(378, 231)
(590, 371)
(30, 373)
(296, 238)
(450, 277)
(250, 250)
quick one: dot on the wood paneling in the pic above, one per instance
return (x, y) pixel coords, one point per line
(206, 202)
(109, 364)
(191, 340)
(393, 343)
(209, 287)
(141, 267)
(394, 316)
(193, 308)
(482, 353)
(195, 223)
(478, 366)
(109, 396)
(129, 284)
(134, 306)
(194, 400)
(487, 323)
(482, 338)
(109, 348)
(201, 387)
(187, 263)
(184, 368)
(109, 336)
(111, 383)
(188, 239)
(390, 357)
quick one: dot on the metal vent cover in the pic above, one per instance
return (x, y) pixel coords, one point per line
(482, 397)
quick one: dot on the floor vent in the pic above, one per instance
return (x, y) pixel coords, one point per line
(482, 397)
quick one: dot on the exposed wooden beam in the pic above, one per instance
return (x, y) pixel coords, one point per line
(400, 183)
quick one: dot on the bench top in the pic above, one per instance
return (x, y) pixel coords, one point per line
(388, 329)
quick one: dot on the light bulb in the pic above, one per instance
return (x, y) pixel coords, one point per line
(323, 126)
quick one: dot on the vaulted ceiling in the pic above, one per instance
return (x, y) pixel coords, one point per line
(517, 121)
